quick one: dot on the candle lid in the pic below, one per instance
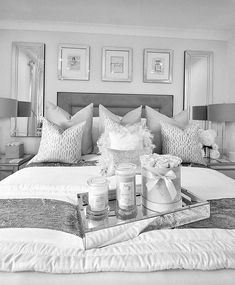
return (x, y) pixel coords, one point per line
(125, 169)
(97, 181)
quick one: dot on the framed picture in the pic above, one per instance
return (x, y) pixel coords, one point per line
(158, 65)
(74, 62)
(116, 64)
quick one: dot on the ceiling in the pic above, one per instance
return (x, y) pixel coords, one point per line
(190, 14)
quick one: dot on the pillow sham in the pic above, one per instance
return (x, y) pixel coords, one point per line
(59, 145)
(182, 143)
(63, 119)
(154, 119)
(132, 117)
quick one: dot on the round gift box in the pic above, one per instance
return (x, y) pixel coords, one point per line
(151, 208)
(159, 197)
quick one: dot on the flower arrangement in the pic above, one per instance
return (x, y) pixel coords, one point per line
(207, 140)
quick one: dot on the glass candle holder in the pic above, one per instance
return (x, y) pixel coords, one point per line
(126, 191)
(98, 203)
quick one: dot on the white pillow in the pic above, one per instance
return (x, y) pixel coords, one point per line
(128, 137)
(123, 144)
(58, 145)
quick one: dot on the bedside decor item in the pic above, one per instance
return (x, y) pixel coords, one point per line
(126, 191)
(158, 65)
(73, 62)
(117, 64)
(59, 145)
(182, 143)
(154, 119)
(161, 186)
(23, 111)
(14, 150)
(8, 107)
(98, 204)
(209, 147)
(223, 114)
(63, 119)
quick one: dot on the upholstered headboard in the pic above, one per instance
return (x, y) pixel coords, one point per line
(119, 104)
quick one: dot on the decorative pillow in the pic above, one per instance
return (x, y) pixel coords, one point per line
(110, 158)
(123, 144)
(58, 145)
(132, 117)
(182, 143)
(63, 119)
(154, 119)
(127, 137)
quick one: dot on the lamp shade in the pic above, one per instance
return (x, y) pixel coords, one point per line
(24, 109)
(8, 107)
(221, 112)
(200, 113)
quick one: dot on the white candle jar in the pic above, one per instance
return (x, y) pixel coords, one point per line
(126, 191)
(98, 203)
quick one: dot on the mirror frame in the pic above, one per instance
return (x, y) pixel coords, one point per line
(14, 84)
(188, 56)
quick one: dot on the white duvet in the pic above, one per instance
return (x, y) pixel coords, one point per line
(59, 252)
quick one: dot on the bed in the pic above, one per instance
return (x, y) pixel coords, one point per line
(163, 257)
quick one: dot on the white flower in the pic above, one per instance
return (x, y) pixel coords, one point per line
(207, 137)
(214, 154)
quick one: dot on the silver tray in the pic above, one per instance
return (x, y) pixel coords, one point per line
(193, 209)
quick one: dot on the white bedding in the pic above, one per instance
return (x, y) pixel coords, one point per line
(57, 252)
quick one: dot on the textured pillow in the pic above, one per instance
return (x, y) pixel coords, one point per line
(154, 119)
(123, 144)
(127, 137)
(132, 117)
(58, 145)
(63, 119)
(182, 143)
(110, 158)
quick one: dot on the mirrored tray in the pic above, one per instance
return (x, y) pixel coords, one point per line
(193, 209)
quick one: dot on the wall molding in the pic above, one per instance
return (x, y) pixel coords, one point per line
(143, 31)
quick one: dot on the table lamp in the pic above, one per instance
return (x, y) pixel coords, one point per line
(222, 113)
(23, 109)
(199, 113)
(8, 107)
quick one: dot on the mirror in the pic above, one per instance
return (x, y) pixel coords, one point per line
(198, 79)
(28, 78)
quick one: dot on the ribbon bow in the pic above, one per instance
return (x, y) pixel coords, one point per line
(167, 177)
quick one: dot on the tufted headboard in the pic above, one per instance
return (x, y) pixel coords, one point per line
(119, 104)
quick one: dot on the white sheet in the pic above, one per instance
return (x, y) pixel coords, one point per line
(26, 249)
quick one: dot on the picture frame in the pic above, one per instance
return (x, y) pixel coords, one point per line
(117, 64)
(73, 62)
(158, 65)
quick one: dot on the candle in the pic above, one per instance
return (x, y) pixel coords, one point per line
(97, 198)
(126, 191)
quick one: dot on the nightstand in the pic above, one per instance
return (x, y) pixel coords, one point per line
(11, 165)
(223, 165)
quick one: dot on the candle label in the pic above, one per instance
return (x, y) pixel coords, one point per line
(126, 197)
(97, 202)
